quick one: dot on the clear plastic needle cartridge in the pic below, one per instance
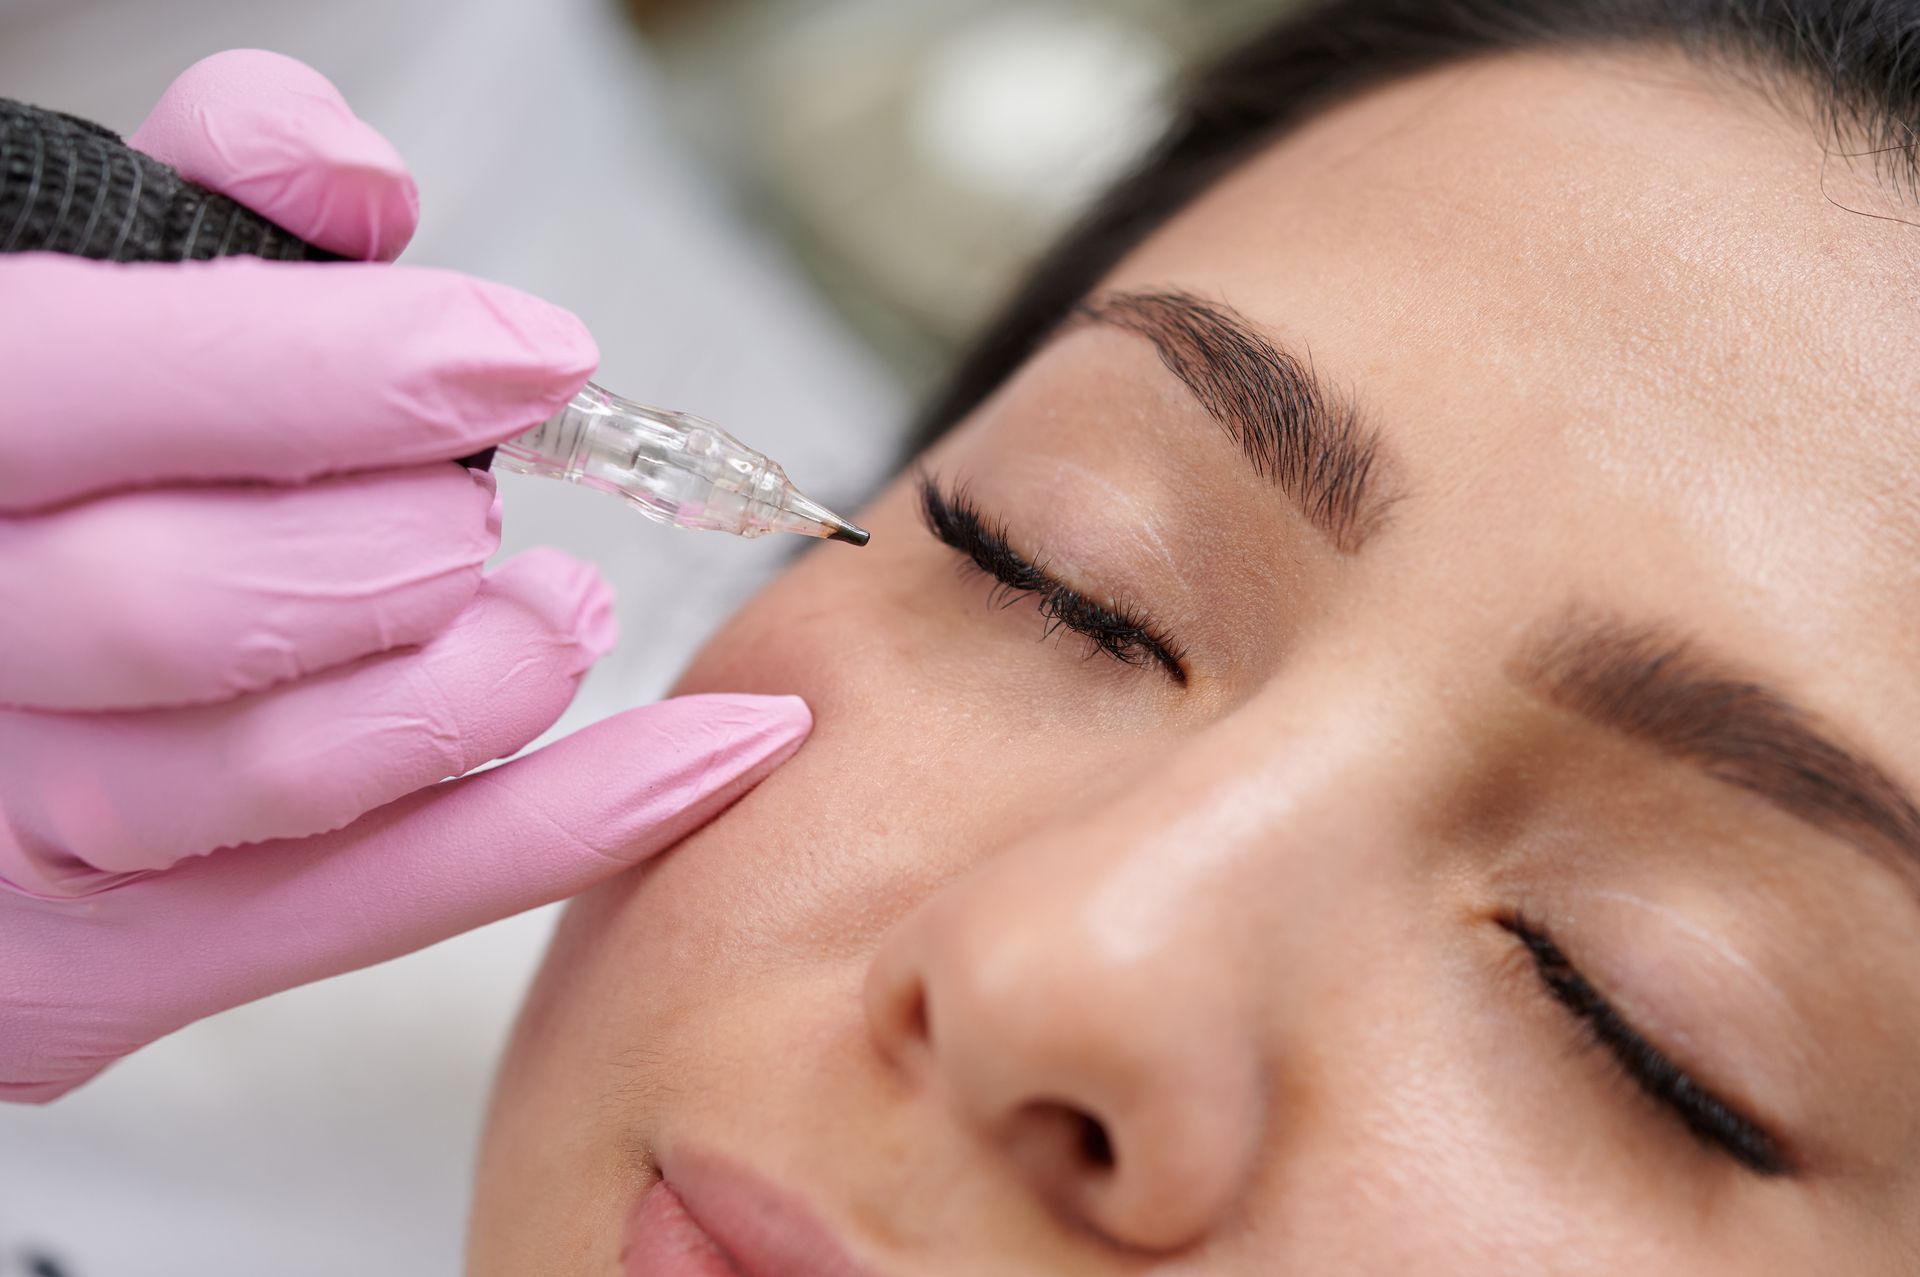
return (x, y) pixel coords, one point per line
(672, 467)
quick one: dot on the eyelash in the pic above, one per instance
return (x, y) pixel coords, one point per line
(1126, 636)
(1711, 1120)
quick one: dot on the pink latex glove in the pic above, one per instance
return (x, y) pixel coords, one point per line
(246, 635)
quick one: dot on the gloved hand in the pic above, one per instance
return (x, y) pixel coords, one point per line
(244, 628)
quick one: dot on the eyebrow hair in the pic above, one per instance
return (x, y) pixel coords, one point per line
(1659, 687)
(1299, 433)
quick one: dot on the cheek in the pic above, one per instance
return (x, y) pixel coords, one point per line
(817, 634)
(865, 818)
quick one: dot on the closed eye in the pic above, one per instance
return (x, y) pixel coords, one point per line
(1110, 627)
(1711, 1119)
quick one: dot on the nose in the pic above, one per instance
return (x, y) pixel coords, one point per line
(1108, 1059)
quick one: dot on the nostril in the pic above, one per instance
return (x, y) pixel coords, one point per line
(899, 1011)
(1095, 1146)
(1065, 1153)
(918, 1019)
(1068, 1140)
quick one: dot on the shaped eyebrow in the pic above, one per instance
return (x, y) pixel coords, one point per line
(1656, 686)
(1296, 431)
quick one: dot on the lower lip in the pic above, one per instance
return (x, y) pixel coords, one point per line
(664, 1241)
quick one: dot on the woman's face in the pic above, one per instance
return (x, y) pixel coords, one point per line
(1476, 839)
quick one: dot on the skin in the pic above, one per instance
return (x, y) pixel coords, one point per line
(1622, 354)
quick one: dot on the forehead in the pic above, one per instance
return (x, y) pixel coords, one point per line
(1604, 307)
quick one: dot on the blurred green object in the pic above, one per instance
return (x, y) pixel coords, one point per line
(918, 154)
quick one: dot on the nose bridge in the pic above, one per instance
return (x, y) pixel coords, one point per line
(1183, 883)
(1282, 803)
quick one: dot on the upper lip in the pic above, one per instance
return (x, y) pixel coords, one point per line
(764, 1230)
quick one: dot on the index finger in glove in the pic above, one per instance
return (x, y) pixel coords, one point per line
(181, 596)
(275, 135)
(124, 375)
(83, 983)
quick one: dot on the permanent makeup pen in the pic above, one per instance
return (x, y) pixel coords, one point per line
(70, 186)
(671, 467)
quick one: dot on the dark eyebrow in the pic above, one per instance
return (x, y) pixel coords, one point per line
(1301, 434)
(1662, 688)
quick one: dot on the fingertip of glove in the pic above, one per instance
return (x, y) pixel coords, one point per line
(571, 598)
(352, 195)
(596, 624)
(739, 736)
(681, 762)
(711, 740)
(624, 789)
(778, 721)
(274, 134)
(548, 337)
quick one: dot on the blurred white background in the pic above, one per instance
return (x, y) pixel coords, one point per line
(780, 215)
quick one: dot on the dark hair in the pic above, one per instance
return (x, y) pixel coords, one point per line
(1857, 60)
